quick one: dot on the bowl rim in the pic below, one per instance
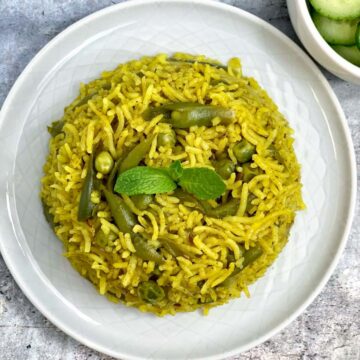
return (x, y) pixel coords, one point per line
(62, 324)
(345, 65)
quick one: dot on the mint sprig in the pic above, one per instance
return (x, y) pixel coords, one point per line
(144, 180)
(175, 170)
(204, 183)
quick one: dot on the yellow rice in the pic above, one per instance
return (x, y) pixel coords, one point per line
(112, 117)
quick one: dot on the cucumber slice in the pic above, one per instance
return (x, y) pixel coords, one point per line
(337, 9)
(337, 32)
(350, 53)
(357, 36)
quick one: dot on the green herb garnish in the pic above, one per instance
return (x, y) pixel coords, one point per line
(175, 170)
(204, 183)
(144, 180)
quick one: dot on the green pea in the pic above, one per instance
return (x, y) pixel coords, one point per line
(243, 151)
(167, 139)
(248, 172)
(224, 168)
(104, 162)
(142, 201)
(151, 292)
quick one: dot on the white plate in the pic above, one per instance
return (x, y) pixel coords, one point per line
(323, 145)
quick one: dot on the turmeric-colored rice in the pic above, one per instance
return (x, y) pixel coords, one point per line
(108, 113)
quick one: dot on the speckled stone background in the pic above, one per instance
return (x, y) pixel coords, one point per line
(329, 328)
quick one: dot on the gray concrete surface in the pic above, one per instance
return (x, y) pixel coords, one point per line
(328, 329)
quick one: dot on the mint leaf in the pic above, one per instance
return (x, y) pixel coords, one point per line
(175, 170)
(144, 180)
(204, 183)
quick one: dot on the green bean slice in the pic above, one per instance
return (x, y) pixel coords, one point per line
(85, 209)
(171, 249)
(142, 201)
(124, 219)
(151, 292)
(166, 109)
(111, 179)
(199, 116)
(184, 196)
(250, 256)
(184, 115)
(144, 250)
(193, 61)
(174, 249)
(228, 209)
(136, 155)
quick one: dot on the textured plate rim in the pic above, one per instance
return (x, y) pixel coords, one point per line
(56, 320)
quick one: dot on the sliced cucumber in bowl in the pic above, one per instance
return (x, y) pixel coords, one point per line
(357, 36)
(338, 22)
(337, 32)
(350, 53)
(337, 9)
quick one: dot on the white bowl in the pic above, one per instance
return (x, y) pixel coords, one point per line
(318, 48)
(323, 146)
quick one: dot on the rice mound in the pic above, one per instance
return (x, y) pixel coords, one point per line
(108, 113)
